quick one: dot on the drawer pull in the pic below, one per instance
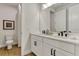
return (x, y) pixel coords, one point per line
(52, 51)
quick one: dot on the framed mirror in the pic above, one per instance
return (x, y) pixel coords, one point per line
(58, 17)
(74, 18)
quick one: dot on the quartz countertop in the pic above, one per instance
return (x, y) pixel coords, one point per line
(72, 40)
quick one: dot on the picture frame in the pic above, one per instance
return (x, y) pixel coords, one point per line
(8, 25)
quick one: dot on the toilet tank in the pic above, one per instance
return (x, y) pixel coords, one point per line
(9, 37)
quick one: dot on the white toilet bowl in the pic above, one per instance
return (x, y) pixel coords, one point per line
(9, 41)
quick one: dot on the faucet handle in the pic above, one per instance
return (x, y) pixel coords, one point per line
(66, 35)
(58, 34)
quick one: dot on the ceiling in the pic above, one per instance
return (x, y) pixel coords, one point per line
(10, 4)
(59, 5)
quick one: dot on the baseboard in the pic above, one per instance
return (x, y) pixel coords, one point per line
(31, 54)
(4, 45)
(15, 43)
(1, 46)
(19, 46)
(26, 52)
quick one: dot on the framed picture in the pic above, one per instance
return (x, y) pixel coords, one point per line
(8, 25)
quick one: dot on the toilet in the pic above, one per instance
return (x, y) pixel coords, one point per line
(9, 41)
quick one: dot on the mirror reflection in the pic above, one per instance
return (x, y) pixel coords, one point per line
(61, 20)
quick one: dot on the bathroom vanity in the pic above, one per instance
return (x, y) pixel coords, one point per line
(64, 18)
(50, 45)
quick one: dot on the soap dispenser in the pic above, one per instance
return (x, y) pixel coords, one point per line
(47, 31)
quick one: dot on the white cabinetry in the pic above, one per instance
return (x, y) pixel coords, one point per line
(44, 46)
(36, 44)
(49, 50)
(60, 44)
(77, 50)
(54, 48)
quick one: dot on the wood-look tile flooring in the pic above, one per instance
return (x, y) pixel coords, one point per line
(15, 51)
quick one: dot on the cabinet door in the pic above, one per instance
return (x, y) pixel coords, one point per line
(59, 52)
(39, 48)
(36, 46)
(77, 50)
(49, 50)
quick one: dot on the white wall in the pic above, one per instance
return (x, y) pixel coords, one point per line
(30, 23)
(45, 19)
(33, 20)
(7, 13)
(18, 25)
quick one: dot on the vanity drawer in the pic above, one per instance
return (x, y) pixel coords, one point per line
(49, 50)
(67, 47)
(51, 42)
(36, 37)
(60, 44)
(77, 50)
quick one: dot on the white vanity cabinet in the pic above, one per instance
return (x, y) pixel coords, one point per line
(36, 45)
(53, 48)
(46, 46)
(65, 46)
(77, 50)
(49, 50)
